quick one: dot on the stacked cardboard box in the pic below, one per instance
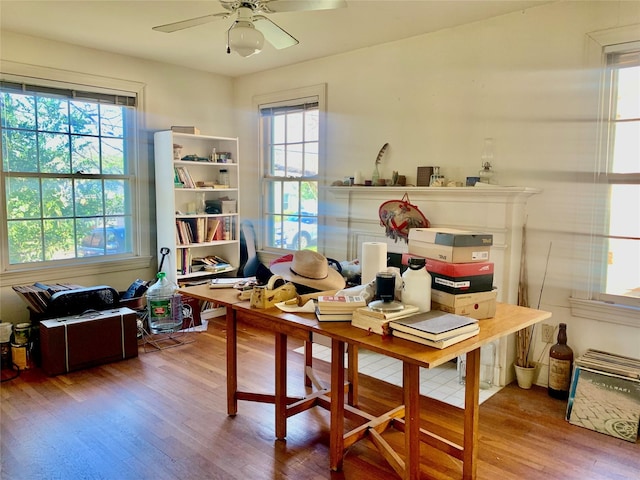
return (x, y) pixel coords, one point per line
(461, 273)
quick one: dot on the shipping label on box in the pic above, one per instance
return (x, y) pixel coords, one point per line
(451, 237)
(605, 402)
(475, 305)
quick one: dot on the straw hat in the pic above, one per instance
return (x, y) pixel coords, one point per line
(310, 269)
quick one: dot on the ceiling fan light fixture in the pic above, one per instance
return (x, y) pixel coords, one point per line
(244, 39)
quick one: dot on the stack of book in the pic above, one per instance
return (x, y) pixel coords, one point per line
(461, 273)
(338, 308)
(435, 329)
(376, 321)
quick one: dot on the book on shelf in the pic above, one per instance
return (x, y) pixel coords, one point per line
(434, 325)
(333, 316)
(340, 303)
(443, 343)
(185, 177)
(407, 311)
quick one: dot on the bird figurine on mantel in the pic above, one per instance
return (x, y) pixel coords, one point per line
(375, 177)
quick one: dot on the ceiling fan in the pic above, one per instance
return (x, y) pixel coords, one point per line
(247, 34)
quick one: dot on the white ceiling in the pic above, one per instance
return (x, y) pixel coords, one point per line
(124, 27)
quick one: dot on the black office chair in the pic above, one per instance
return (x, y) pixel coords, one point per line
(249, 261)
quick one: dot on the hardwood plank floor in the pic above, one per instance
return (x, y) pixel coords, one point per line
(163, 416)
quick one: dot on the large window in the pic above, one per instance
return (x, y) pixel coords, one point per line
(621, 144)
(290, 146)
(611, 290)
(68, 160)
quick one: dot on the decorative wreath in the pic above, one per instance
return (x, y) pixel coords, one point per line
(398, 216)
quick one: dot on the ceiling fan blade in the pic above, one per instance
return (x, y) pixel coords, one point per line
(273, 34)
(274, 6)
(192, 22)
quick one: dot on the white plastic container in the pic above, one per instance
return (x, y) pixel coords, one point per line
(416, 289)
(165, 314)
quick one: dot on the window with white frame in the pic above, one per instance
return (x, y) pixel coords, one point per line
(612, 291)
(68, 164)
(621, 149)
(290, 133)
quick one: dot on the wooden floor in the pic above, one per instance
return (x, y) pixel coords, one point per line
(163, 416)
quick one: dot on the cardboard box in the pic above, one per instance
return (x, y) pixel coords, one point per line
(421, 242)
(81, 341)
(185, 129)
(457, 278)
(451, 237)
(475, 305)
(605, 403)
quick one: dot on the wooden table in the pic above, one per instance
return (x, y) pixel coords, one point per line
(508, 319)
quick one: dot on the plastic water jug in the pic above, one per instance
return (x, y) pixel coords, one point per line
(416, 289)
(165, 311)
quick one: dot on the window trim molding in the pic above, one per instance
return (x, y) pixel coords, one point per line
(294, 96)
(47, 76)
(581, 300)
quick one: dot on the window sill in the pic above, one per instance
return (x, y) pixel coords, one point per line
(605, 312)
(63, 272)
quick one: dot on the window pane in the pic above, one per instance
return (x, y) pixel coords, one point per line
(19, 151)
(628, 101)
(114, 196)
(623, 252)
(278, 129)
(311, 128)
(84, 118)
(294, 160)
(59, 239)
(54, 153)
(25, 241)
(85, 154)
(111, 121)
(626, 147)
(294, 127)
(113, 162)
(18, 111)
(23, 198)
(311, 159)
(53, 115)
(57, 197)
(278, 161)
(88, 195)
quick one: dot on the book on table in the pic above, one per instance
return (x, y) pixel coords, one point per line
(443, 343)
(333, 316)
(434, 325)
(340, 303)
(378, 322)
(407, 311)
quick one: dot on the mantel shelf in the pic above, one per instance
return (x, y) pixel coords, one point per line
(489, 193)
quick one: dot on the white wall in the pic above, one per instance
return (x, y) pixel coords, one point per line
(173, 96)
(521, 79)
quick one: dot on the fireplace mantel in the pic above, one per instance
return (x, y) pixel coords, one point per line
(351, 215)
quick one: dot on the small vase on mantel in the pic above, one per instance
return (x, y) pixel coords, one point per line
(375, 176)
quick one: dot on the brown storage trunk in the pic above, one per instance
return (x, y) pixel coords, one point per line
(93, 338)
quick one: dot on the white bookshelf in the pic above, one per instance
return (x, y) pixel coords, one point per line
(181, 204)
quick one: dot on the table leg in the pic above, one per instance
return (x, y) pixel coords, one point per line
(352, 375)
(336, 434)
(232, 361)
(308, 361)
(471, 411)
(281, 386)
(411, 388)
